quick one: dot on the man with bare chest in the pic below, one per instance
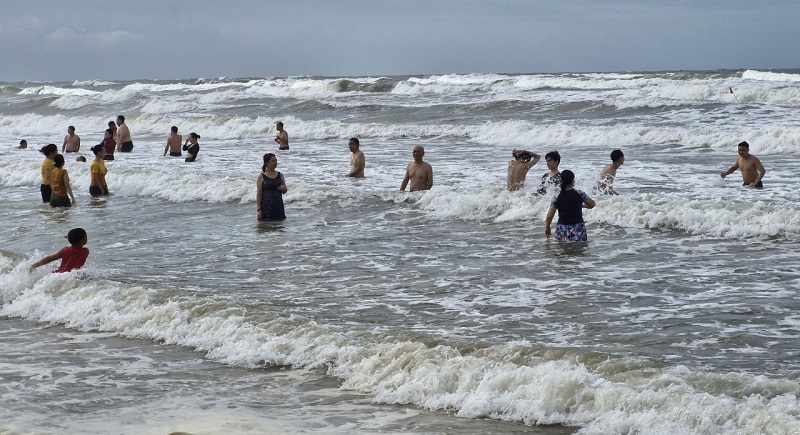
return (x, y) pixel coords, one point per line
(750, 166)
(418, 172)
(124, 142)
(72, 142)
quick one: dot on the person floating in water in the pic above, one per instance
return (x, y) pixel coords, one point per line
(73, 256)
(569, 204)
(605, 184)
(752, 169)
(518, 168)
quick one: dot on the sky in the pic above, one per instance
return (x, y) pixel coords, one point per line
(55, 40)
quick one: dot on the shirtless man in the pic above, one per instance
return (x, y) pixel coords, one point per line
(519, 167)
(605, 184)
(357, 161)
(420, 173)
(72, 142)
(173, 143)
(124, 142)
(282, 138)
(752, 169)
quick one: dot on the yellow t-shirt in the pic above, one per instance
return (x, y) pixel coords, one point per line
(98, 167)
(59, 187)
(47, 165)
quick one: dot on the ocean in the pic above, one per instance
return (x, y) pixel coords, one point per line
(371, 310)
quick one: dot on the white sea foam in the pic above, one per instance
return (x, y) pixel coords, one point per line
(489, 382)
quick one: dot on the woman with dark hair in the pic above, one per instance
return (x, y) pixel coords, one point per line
(97, 174)
(270, 189)
(569, 203)
(49, 151)
(60, 184)
(109, 144)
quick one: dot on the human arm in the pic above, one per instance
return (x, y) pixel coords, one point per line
(69, 187)
(405, 180)
(166, 147)
(64, 145)
(77, 143)
(551, 212)
(731, 170)
(587, 202)
(282, 188)
(430, 178)
(259, 193)
(45, 260)
(761, 172)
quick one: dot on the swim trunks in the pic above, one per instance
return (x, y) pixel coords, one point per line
(175, 154)
(60, 201)
(571, 233)
(126, 147)
(46, 192)
(758, 185)
(96, 191)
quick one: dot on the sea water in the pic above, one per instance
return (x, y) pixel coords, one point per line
(371, 310)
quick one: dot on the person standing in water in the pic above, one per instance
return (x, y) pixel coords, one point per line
(97, 173)
(418, 172)
(282, 138)
(605, 184)
(551, 179)
(193, 149)
(173, 143)
(569, 204)
(270, 188)
(72, 142)
(518, 168)
(50, 151)
(60, 184)
(124, 142)
(357, 161)
(750, 166)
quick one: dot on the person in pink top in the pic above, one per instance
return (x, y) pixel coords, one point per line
(73, 256)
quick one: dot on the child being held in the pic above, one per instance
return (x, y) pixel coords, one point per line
(72, 257)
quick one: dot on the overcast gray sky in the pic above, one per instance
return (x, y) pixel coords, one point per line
(171, 39)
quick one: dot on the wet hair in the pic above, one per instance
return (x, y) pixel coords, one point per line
(71, 128)
(111, 125)
(355, 139)
(194, 135)
(80, 159)
(553, 155)
(111, 132)
(58, 160)
(567, 178)
(76, 235)
(97, 148)
(121, 118)
(279, 124)
(23, 142)
(743, 144)
(616, 155)
(174, 129)
(267, 158)
(49, 149)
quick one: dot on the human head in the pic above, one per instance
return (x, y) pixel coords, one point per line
(418, 152)
(567, 178)
(77, 236)
(279, 125)
(353, 144)
(174, 129)
(111, 125)
(23, 144)
(109, 133)
(743, 148)
(267, 158)
(120, 119)
(80, 159)
(194, 136)
(49, 149)
(617, 156)
(553, 159)
(58, 160)
(98, 149)
(71, 130)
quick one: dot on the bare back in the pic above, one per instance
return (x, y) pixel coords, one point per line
(517, 171)
(174, 142)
